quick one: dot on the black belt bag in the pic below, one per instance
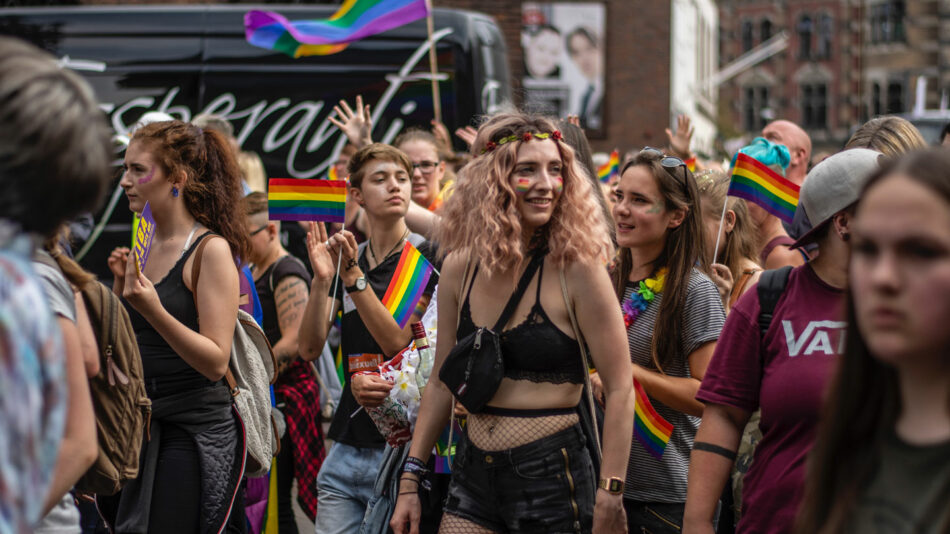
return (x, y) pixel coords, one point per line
(474, 367)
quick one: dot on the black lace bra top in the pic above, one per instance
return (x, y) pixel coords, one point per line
(536, 350)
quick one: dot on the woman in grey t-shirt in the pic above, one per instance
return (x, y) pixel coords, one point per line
(673, 315)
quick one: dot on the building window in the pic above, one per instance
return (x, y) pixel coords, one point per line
(754, 104)
(895, 97)
(805, 31)
(747, 37)
(765, 30)
(887, 22)
(825, 35)
(876, 99)
(815, 106)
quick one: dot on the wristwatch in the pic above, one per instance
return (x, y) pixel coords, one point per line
(360, 285)
(613, 485)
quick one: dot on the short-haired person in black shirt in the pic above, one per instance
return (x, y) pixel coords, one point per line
(380, 181)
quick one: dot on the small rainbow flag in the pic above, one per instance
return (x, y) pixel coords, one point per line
(649, 427)
(354, 20)
(331, 174)
(408, 283)
(610, 169)
(690, 163)
(757, 183)
(445, 451)
(290, 199)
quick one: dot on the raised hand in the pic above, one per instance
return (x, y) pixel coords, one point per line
(574, 119)
(722, 277)
(138, 289)
(116, 261)
(356, 125)
(680, 141)
(467, 134)
(323, 258)
(441, 134)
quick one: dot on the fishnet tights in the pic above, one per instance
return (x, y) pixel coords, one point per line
(499, 432)
(453, 524)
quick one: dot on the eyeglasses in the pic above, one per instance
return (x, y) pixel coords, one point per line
(671, 164)
(427, 167)
(259, 230)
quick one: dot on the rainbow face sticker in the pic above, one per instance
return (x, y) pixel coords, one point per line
(558, 185)
(523, 185)
(148, 178)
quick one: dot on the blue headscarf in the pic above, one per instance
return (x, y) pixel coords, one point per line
(766, 152)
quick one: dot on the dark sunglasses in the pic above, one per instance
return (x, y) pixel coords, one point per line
(259, 230)
(671, 164)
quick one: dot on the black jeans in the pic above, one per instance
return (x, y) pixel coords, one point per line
(546, 486)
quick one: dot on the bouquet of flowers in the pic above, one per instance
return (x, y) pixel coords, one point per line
(409, 373)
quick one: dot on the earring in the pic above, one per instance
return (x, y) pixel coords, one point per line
(174, 191)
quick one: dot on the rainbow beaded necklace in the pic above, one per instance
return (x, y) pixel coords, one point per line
(642, 296)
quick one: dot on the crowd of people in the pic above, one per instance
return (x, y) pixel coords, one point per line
(665, 358)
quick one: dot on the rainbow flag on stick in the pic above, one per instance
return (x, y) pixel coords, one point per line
(290, 199)
(610, 169)
(354, 20)
(757, 183)
(649, 427)
(408, 283)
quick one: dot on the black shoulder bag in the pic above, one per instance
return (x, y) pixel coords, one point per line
(474, 368)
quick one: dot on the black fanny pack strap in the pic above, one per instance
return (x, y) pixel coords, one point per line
(529, 271)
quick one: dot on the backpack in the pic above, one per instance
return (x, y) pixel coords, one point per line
(770, 288)
(121, 406)
(251, 372)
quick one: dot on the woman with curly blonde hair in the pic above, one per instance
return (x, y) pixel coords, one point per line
(521, 207)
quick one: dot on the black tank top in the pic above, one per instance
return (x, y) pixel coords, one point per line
(535, 350)
(165, 371)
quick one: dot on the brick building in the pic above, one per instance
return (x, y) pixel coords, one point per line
(639, 61)
(905, 40)
(815, 82)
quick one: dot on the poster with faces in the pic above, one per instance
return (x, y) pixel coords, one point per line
(563, 45)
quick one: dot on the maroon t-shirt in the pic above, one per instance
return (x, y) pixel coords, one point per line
(799, 352)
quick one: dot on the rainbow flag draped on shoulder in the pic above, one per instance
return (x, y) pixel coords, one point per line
(354, 20)
(757, 183)
(408, 284)
(291, 199)
(649, 428)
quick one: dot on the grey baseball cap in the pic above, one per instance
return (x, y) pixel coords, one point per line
(833, 185)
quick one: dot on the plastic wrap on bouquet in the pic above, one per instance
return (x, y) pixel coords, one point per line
(409, 373)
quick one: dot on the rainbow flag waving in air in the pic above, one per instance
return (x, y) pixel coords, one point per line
(291, 199)
(354, 20)
(610, 169)
(408, 283)
(649, 428)
(757, 183)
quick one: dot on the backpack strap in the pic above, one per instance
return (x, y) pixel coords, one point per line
(195, 271)
(771, 285)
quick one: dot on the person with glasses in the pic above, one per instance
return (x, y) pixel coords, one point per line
(673, 315)
(428, 169)
(283, 284)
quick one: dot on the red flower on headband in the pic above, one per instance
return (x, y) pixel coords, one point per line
(556, 135)
(526, 136)
(490, 145)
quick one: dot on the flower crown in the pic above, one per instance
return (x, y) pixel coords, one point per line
(492, 145)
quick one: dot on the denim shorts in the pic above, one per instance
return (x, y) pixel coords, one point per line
(546, 486)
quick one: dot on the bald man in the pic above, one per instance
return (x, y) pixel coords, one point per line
(798, 143)
(775, 237)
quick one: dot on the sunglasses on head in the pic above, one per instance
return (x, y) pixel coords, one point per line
(671, 164)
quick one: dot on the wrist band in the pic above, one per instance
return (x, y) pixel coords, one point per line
(715, 449)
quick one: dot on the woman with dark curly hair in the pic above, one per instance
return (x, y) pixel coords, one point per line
(192, 465)
(524, 207)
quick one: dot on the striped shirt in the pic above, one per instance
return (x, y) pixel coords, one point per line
(649, 479)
